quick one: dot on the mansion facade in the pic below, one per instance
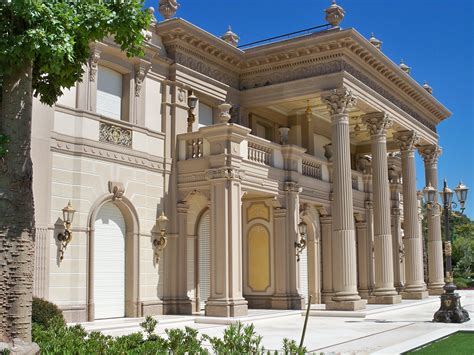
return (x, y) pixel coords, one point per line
(238, 146)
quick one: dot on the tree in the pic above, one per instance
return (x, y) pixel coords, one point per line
(44, 45)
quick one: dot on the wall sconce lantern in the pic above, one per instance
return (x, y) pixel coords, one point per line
(192, 103)
(302, 229)
(160, 244)
(66, 237)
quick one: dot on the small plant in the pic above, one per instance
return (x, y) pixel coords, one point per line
(43, 312)
(290, 348)
(238, 339)
(184, 341)
(149, 325)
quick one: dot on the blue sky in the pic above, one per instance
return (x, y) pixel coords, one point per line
(434, 37)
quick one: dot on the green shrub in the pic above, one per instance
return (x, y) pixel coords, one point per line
(290, 347)
(461, 282)
(238, 339)
(149, 325)
(184, 341)
(43, 312)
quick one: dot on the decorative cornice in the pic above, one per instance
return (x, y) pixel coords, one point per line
(377, 122)
(430, 154)
(225, 173)
(339, 101)
(407, 140)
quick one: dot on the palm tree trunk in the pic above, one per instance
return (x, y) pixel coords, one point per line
(16, 207)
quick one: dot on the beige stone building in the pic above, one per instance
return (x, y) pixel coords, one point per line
(322, 128)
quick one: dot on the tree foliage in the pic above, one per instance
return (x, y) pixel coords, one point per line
(54, 35)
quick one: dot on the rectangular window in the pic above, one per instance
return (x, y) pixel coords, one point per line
(205, 115)
(264, 132)
(109, 93)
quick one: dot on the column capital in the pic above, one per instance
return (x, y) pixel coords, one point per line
(377, 122)
(430, 153)
(407, 140)
(339, 101)
(291, 186)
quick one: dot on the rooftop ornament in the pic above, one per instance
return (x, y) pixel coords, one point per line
(230, 37)
(334, 14)
(404, 67)
(428, 88)
(375, 42)
(168, 8)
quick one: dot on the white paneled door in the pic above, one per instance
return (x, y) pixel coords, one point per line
(109, 263)
(303, 274)
(204, 241)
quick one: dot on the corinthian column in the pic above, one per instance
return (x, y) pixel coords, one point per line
(415, 287)
(384, 290)
(430, 156)
(345, 296)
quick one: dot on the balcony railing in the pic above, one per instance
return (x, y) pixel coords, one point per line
(259, 153)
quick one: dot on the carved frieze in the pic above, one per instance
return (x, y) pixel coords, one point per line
(114, 134)
(225, 173)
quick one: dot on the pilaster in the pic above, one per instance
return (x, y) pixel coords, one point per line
(430, 156)
(384, 291)
(415, 287)
(326, 239)
(346, 297)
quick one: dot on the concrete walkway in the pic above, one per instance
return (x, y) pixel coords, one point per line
(377, 330)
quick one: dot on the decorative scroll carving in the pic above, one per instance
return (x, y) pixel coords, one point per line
(291, 186)
(339, 101)
(377, 122)
(94, 64)
(225, 173)
(140, 74)
(117, 189)
(407, 139)
(430, 154)
(114, 134)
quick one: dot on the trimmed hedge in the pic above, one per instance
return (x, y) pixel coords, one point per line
(43, 312)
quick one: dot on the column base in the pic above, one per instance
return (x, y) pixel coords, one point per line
(451, 310)
(435, 291)
(346, 305)
(226, 308)
(414, 295)
(179, 306)
(287, 302)
(151, 308)
(365, 294)
(393, 299)
(327, 297)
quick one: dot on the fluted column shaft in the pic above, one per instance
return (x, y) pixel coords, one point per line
(326, 241)
(430, 156)
(343, 244)
(414, 282)
(378, 123)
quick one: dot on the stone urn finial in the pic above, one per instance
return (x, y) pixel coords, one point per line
(375, 42)
(404, 67)
(168, 8)
(224, 112)
(328, 151)
(334, 14)
(428, 88)
(230, 37)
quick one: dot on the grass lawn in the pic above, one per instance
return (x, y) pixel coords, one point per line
(458, 343)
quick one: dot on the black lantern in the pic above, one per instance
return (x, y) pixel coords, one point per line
(461, 194)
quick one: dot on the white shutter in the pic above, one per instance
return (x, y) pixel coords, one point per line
(109, 93)
(109, 263)
(303, 274)
(204, 236)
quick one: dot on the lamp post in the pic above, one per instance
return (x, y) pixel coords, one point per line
(301, 244)
(192, 103)
(450, 310)
(66, 237)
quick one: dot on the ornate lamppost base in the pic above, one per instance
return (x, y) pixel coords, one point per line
(451, 310)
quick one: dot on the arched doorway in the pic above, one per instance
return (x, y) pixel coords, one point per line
(109, 262)
(204, 258)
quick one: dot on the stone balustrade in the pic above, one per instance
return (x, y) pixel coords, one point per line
(262, 153)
